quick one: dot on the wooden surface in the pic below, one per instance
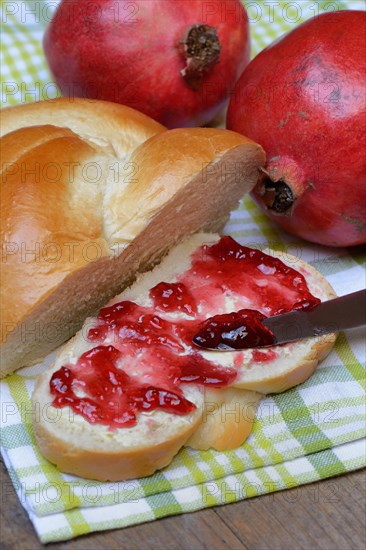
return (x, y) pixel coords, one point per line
(326, 515)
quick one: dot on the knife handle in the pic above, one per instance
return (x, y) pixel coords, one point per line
(347, 311)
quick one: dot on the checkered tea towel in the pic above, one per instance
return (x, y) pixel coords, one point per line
(311, 432)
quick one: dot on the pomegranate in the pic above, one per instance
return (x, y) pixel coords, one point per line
(174, 61)
(303, 100)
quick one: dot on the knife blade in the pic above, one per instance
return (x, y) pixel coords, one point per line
(328, 317)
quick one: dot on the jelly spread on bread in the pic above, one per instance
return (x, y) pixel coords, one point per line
(143, 354)
(239, 329)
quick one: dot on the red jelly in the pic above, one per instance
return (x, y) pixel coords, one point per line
(237, 330)
(173, 297)
(116, 398)
(259, 356)
(143, 355)
(257, 280)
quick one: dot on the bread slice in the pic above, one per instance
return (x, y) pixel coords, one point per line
(68, 445)
(78, 223)
(294, 362)
(227, 419)
(95, 451)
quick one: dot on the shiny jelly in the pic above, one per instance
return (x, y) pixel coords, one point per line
(237, 330)
(142, 355)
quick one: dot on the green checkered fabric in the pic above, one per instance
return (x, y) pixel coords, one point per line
(309, 433)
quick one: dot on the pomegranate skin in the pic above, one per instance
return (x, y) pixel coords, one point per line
(132, 53)
(303, 100)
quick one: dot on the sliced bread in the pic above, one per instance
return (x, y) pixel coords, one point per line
(100, 452)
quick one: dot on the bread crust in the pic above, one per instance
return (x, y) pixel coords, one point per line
(41, 218)
(115, 128)
(298, 374)
(175, 166)
(104, 466)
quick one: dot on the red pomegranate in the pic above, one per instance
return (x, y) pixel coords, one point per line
(303, 99)
(175, 61)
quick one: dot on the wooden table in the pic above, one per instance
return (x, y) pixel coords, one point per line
(326, 515)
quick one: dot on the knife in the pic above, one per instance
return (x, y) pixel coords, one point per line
(327, 317)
